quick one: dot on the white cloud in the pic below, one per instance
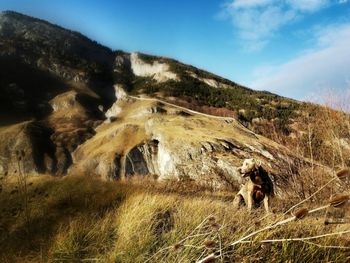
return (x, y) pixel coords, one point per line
(249, 3)
(325, 67)
(308, 5)
(257, 21)
(257, 26)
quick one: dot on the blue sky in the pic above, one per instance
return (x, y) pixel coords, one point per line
(295, 48)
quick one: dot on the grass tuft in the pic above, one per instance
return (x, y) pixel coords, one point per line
(76, 219)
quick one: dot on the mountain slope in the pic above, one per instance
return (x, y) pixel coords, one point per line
(40, 60)
(69, 95)
(200, 90)
(148, 136)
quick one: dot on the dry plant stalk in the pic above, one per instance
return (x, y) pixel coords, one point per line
(180, 244)
(303, 238)
(335, 202)
(336, 221)
(341, 175)
(243, 239)
(23, 187)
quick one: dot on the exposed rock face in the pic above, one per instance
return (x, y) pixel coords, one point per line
(170, 144)
(158, 71)
(135, 163)
(65, 103)
(211, 82)
(120, 94)
(187, 163)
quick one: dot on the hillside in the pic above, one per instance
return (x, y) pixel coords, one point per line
(202, 91)
(111, 156)
(75, 106)
(58, 87)
(40, 60)
(62, 93)
(59, 55)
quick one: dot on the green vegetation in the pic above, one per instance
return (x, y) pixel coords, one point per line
(255, 104)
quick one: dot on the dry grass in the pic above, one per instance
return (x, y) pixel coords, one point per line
(53, 203)
(74, 219)
(78, 218)
(142, 120)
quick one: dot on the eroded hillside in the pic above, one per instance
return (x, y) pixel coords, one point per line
(73, 106)
(148, 136)
(203, 91)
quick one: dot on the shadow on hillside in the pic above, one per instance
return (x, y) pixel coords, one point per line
(52, 203)
(25, 91)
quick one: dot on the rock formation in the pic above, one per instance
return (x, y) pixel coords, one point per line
(75, 107)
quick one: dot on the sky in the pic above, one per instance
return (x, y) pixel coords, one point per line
(295, 48)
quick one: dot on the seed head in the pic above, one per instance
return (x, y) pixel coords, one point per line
(209, 243)
(215, 225)
(339, 200)
(212, 219)
(177, 246)
(343, 174)
(301, 213)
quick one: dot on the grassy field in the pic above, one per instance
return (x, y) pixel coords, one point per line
(79, 219)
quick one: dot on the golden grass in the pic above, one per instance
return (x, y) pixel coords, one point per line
(78, 218)
(138, 123)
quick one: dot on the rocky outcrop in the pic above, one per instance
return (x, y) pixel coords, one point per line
(151, 137)
(66, 108)
(211, 82)
(157, 70)
(135, 162)
(120, 94)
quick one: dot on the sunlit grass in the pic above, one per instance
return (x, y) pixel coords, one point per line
(78, 218)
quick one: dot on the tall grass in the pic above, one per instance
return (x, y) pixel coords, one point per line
(76, 219)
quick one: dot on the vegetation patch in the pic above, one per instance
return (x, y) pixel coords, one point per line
(78, 219)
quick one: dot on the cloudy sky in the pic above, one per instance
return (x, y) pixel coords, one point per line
(295, 48)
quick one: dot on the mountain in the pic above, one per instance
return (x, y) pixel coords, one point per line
(40, 60)
(200, 87)
(72, 106)
(127, 157)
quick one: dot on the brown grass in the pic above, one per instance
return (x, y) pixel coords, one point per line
(78, 218)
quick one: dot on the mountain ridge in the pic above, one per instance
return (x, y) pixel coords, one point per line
(19, 16)
(127, 157)
(90, 123)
